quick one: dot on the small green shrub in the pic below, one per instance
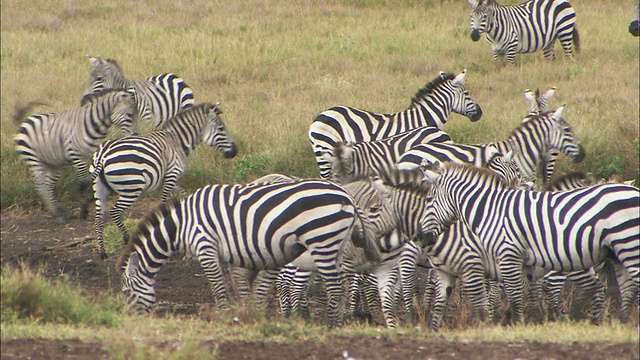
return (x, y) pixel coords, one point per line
(28, 296)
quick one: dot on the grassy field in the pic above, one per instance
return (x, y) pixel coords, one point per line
(274, 65)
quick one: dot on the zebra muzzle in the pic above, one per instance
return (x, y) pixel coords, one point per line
(475, 35)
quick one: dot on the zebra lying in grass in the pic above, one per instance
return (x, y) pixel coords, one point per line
(135, 165)
(158, 98)
(48, 142)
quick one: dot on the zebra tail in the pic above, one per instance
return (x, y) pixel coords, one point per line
(370, 250)
(576, 39)
(22, 110)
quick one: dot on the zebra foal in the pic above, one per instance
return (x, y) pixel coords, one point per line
(134, 165)
(528, 27)
(48, 142)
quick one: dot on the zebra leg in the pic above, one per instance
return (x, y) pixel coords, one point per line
(548, 52)
(429, 290)
(117, 213)
(588, 283)
(101, 194)
(443, 289)
(209, 259)
(299, 285)
(387, 278)
(535, 313)
(283, 289)
(240, 279)
(334, 285)
(263, 286)
(628, 292)
(473, 287)
(552, 285)
(494, 296)
(46, 180)
(407, 271)
(510, 265)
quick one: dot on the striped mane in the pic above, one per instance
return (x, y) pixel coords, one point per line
(177, 119)
(88, 98)
(153, 218)
(430, 87)
(468, 171)
(407, 180)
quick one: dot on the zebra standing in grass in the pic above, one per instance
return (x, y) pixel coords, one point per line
(431, 106)
(528, 27)
(561, 231)
(369, 158)
(134, 165)
(257, 226)
(159, 98)
(47, 142)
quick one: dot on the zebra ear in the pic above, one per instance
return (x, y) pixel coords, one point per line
(549, 94)
(217, 108)
(431, 176)
(509, 156)
(473, 3)
(381, 188)
(559, 114)
(459, 79)
(95, 61)
(529, 95)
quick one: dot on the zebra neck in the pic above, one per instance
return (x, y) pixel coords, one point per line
(429, 111)
(99, 118)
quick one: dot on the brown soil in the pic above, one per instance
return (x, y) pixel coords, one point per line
(39, 241)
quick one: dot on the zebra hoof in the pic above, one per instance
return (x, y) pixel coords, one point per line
(103, 255)
(125, 239)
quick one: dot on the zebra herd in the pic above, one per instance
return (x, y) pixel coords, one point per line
(395, 193)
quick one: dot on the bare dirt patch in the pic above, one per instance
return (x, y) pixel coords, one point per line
(66, 250)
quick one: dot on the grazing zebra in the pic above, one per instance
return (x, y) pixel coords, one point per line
(257, 226)
(561, 231)
(369, 158)
(159, 98)
(134, 165)
(431, 106)
(47, 142)
(528, 27)
(634, 26)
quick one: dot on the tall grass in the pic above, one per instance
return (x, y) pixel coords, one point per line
(275, 64)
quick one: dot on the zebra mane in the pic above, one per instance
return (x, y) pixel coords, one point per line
(481, 173)
(93, 96)
(202, 107)
(408, 180)
(431, 86)
(152, 219)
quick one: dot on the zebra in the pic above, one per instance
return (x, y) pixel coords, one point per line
(134, 165)
(369, 158)
(477, 155)
(158, 98)
(537, 142)
(634, 25)
(431, 106)
(257, 226)
(47, 142)
(528, 27)
(562, 231)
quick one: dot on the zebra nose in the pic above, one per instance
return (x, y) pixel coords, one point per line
(475, 35)
(581, 155)
(475, 117)
(231, 152)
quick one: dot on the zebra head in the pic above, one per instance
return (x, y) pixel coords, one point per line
(106, 74)
(563, 138)
(506, 168)
(137, 286)
(481, 15)
(124, 112)
(216, 135)
(440, 211)
(462, 103)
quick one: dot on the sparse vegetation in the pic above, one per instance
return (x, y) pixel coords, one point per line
(274, 65)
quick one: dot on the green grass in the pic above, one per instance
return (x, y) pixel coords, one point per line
(275, 65)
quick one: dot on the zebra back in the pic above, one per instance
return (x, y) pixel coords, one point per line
(367, 158)
(158, 98)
